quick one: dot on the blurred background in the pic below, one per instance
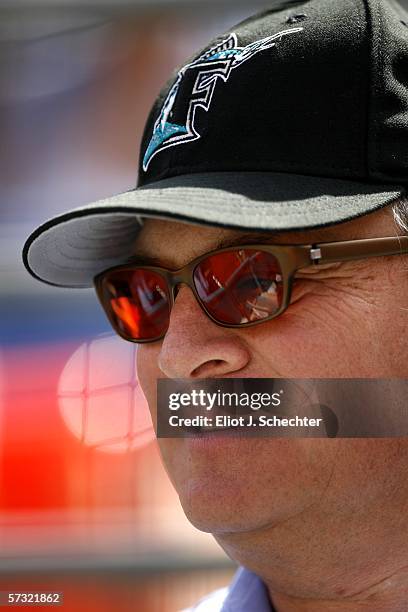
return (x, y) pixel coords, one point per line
(85, 506)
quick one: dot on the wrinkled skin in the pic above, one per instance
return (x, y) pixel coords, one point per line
(322, 522)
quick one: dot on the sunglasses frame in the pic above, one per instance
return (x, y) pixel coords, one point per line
(291, 258)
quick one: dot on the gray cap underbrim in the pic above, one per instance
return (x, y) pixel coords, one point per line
(69, 250)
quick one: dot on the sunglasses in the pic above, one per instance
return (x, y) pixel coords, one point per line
(235, 286)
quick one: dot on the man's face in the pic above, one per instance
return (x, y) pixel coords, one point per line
(345, 320)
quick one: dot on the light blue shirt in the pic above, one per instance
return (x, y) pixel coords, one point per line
(246, 592)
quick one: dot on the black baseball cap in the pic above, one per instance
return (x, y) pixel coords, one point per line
(296, 118)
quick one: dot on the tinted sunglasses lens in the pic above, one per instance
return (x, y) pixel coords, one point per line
(137, 303)
(240, 286)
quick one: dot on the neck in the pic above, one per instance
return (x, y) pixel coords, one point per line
(388, 595)
(313, 571)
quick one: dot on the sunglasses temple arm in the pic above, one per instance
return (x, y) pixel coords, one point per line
(358, 249)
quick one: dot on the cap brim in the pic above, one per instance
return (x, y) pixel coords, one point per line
(70, 249)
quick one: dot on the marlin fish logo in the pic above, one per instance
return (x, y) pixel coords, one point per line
(215, 64)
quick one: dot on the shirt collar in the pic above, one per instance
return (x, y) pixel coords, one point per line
(246, 592)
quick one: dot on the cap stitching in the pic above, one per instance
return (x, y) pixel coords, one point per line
(173, 170)
(221, 204)
(381, 71)
(360, 79)
(376, 72)
(363, 17)
(257, 207)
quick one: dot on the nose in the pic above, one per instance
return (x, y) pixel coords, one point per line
(195, 347)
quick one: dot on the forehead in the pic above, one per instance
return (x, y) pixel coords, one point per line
(174, 243)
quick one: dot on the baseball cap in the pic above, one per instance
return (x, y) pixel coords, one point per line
(296, 118)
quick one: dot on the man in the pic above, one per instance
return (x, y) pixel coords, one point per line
(291, 129)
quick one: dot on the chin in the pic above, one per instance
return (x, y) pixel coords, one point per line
(217, 506)
(242, 485)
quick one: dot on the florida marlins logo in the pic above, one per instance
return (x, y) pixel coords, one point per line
(216, 64)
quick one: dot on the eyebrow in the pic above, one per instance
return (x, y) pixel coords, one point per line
(245, 239)
(250, 238)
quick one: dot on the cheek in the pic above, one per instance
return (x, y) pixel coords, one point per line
(322, 334)
(148, 372)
